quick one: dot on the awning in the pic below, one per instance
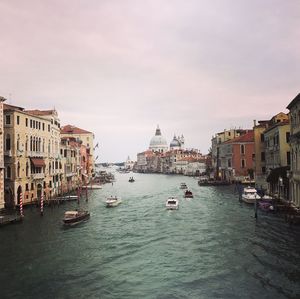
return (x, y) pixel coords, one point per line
(38, 162)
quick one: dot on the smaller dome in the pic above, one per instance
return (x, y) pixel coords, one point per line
(175, 143)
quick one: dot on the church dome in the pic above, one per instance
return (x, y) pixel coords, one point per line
(158, 142)
(175, 143)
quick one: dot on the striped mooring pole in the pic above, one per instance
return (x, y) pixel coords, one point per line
(42, 203)
(21, 205)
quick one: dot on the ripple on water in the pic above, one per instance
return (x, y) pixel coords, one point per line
(210, 248)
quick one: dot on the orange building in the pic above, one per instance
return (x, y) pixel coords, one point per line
(238, 157)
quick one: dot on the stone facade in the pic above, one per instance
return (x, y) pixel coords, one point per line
(31, 155)
(2, 168)
(294, 176)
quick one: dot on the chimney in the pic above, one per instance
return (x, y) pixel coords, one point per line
(254, 123)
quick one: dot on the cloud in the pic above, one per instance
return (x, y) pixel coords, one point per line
(120, 67)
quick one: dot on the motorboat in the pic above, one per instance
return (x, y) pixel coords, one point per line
(172, 203)
(131, 180)
(188, 194)
(183, 186)
(266, 206)
(93, 187)
(250, 195)
(74, 217)
(113, 201)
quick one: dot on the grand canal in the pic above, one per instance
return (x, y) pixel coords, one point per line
(211, 247)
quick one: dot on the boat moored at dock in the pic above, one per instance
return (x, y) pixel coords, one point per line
(250, 195)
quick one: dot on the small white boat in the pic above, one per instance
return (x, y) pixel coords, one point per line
(183, 186)
(172, 203)
(113, 201)
(93, 187)
(250, 195)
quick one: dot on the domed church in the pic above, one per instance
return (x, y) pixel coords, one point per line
(158, 142)
(177, 143)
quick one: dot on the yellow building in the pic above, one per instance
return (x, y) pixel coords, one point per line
(277, 151)
(260, 166)
(31, 154)
(294, 108)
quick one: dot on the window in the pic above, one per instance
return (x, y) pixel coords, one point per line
(26, 122)
(43, 126)
(27, 169)
(263, 169)
(31, 123)
(8, 172)
(229, 133)
(229, 163)
(32, 186)
(288, 158)
(243, 163)
(48, 128)
(7, 119)
(242, 149)
(7, 143)
(27, 187)
(263, 156)
(287, 137)
(18, 170)
(262, 137)
(18, 119)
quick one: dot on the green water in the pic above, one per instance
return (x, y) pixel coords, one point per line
(211, 247)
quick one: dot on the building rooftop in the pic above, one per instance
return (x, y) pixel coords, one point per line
(294, 102)
(248, 137)
(69, 129)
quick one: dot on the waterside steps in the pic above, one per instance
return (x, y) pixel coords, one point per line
(9, 219)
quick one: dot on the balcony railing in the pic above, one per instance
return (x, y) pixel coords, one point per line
(37, 176)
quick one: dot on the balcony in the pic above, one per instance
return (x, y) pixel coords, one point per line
(36, 154)
(37, 176)
(70, 174)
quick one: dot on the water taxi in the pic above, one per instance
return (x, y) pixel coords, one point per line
(74, 217)
(249, 195)
(172, 203)
(113, 201)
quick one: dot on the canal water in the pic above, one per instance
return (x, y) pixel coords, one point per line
(211, 247)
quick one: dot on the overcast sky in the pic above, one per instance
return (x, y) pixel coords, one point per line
(120, 67)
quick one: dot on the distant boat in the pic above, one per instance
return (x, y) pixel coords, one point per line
(188, 194)
(131, 180)
(113, 201)
(75, 217)
(172, 203)
(250, 195)
(183, 186)
(93, 186)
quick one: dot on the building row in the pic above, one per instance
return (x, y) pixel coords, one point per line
(173, 159)
(39, 157)
(267, 154)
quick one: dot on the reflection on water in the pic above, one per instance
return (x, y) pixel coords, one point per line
(211, 247)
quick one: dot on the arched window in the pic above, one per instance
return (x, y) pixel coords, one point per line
(26, 144)
(49, 167)
(31, 144)
(18, 142)
(18, 169)
(27, 169)
(8, 172)
(7, 142)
